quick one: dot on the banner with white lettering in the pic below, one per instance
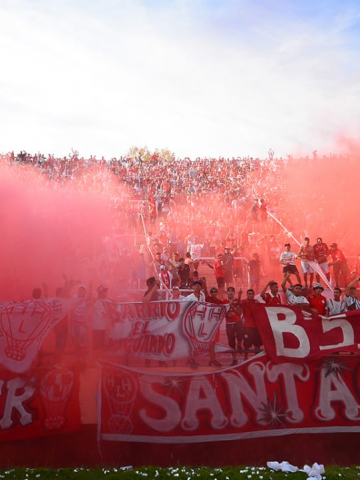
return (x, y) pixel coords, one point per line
(23, 327)
(256, 399)
(166, 330)
(299, 335)
(45, 402)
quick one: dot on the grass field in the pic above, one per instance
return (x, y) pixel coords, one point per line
(176, 473)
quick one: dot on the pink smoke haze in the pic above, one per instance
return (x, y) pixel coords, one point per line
(322, 199)
(47, 231)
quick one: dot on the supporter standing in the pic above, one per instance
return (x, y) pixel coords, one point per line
(195, 252)
(339, 264)
(306, 253)
(255, 271)
(103, 314)
(184, 273)
(165, 278)
(196, 296)
(220, 273)
(287, 259)
(228, 259)
(213, 298)
(251, 333)
(321, 251)
(234, 323)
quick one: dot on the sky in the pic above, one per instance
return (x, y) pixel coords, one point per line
(198, 77)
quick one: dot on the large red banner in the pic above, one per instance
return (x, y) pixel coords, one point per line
(43, 402)
(299, 335)
(256, 399)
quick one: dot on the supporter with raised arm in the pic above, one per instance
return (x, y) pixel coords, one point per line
(352, 301)
(220, 273)
(151, 294)
(272, 297)
(294, 298)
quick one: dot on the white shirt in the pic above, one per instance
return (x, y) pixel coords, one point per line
(193, 298)
(335, 307)
(288, 258)
(349, 301)
(293, 299)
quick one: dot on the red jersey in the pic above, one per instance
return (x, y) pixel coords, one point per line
(319, 303)
(231, 315)
(271, 299)
(249, 320)
(219, 269)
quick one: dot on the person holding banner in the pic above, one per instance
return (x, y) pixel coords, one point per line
(317, 300)
(336, 305)
(272, 297)
(294, 297)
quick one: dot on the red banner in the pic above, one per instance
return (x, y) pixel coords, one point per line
(45, 402)
(256, 399)
(299, 335)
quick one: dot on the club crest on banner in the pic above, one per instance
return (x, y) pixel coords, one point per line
(55, 391)
(121, 390)
(201, 323)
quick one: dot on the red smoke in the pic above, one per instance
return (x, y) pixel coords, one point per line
(47, 231)
(322, 199)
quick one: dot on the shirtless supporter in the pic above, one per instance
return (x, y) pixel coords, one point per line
(306, 254)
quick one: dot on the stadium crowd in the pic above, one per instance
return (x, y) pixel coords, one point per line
(217, 223)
